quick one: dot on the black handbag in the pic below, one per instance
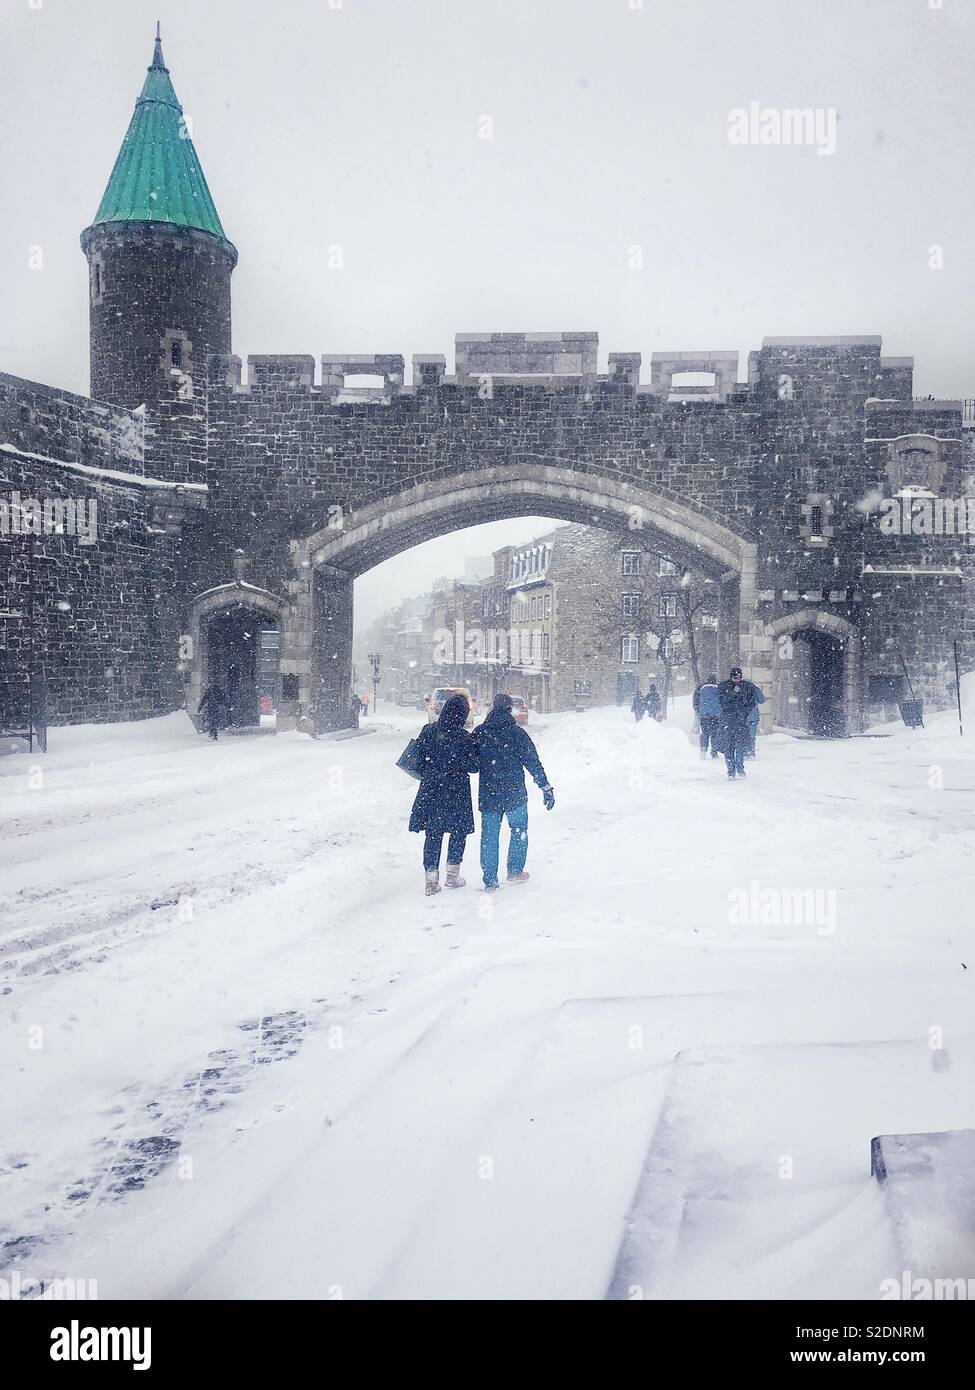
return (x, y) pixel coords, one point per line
(411, 759)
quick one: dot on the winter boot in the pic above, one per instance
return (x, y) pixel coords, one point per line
(433, 882)
(519, 878)
(453, 879)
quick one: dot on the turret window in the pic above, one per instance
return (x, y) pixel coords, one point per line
(97, 281)
(176, 361)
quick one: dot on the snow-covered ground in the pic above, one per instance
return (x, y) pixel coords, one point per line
(243, 1056)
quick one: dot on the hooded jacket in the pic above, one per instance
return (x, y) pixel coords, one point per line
(447, 759)
(505, 751)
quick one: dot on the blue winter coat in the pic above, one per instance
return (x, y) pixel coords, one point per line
(707, 701)
(505, 751)
(753, 713)
(443, 802)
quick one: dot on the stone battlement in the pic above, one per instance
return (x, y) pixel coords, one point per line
(557, 361)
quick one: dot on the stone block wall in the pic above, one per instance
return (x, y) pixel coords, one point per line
(106, 625)
(57, 424)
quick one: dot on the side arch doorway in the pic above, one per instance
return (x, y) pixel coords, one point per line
(235, 643)
(816, 674)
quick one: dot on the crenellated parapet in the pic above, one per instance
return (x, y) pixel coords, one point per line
(812, 370)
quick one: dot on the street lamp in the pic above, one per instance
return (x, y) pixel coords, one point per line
(375, 658)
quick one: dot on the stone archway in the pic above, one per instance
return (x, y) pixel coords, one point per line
(794, 681)
(218, 605)
(331, 559)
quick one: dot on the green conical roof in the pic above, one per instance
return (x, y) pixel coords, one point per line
(157, 176)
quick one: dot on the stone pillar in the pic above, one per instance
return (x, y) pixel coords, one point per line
(331, 652)
(729, 624)
(852, 692)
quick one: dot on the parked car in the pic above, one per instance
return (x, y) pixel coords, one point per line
(440, 696)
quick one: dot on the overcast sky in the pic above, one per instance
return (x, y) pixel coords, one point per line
(359, 125)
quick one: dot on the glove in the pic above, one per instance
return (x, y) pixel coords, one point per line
(548, 796)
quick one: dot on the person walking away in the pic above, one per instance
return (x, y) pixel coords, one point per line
(737, 700)
(753, 718)
(506, 750)
(446, 758)
(652, 702)
(707, 707)
(638, 707)
(212, 709)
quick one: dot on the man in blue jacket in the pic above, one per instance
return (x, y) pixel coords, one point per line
(707, 707)
(738, 699)
(505, 751)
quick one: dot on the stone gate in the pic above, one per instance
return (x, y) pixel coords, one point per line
(270, 492)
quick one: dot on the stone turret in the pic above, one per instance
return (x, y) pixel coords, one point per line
(158, 259)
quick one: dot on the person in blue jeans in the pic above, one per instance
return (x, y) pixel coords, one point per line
(707, 707)
(753, 718)
(505, 751)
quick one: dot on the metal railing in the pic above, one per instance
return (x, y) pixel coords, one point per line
(23, 709)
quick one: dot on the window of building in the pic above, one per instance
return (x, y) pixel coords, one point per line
(176, 353)
(630, 648)
(631, 605)
(582, 687)
(667, 606)
(548, 605)
(546, 646)
(534, 609)
(666, 567)
(666, 649)
(631, 562)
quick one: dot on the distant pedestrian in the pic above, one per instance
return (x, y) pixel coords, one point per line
(446, 757)
(213, 709)
(506, 750)
(738, 699)
(652, 702)
(638, 707)
(753, 718)
(707, 707)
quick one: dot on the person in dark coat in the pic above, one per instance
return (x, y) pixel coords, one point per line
(738, 698)
(505, 751)
(447, 758)
(754, 715)
(707, 707)
(213, 709)
(652, 701)
(638, 707)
